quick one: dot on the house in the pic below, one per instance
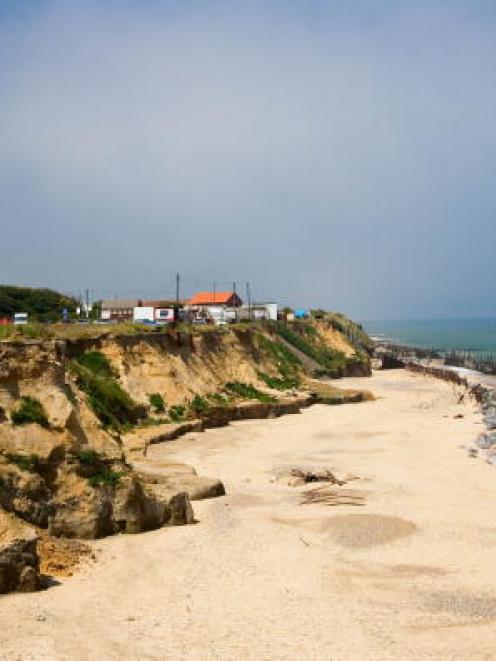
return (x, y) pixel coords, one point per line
(219, 299)
(118, 310)
(161, 311)
(257, 312)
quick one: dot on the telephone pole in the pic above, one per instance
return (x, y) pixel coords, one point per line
(248, 298)
(176, 307)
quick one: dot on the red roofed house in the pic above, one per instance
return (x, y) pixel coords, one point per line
(227, 299)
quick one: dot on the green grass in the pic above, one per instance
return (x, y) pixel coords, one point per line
(198, 404)
(29, 463)
(177, 413)
(30, 410)
(248, 391)
(287, 364)
(106, 477)
(157, 402)
(217, 399)
(329, 360)
(88, 457)
(111, 404)
(96, 363)
(277, 383)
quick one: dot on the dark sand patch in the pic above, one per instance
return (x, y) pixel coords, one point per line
(365, 530)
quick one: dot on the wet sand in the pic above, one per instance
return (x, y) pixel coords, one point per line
(396, 563)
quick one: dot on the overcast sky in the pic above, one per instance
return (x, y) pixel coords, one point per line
(335, 154)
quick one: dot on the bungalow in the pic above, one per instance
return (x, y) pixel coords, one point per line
(219, 299)
(118, 310)
(219, 306)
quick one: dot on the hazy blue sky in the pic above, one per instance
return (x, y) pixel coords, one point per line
(336, 154)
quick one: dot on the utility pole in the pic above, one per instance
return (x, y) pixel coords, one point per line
(176, 307)
(248, 297)
(87, 303)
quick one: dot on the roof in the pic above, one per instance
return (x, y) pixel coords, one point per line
(211, 298)
(118, 305)
(160, 303)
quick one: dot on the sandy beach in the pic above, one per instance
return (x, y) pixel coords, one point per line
(397, 562)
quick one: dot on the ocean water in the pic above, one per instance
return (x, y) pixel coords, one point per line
(474, 335)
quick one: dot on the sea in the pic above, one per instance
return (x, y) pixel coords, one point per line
(476, 336)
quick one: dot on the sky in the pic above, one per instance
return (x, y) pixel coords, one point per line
(333, 154)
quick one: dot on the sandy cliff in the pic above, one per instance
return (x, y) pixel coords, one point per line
(78, 467)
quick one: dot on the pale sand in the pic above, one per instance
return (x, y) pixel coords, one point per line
(409, 574)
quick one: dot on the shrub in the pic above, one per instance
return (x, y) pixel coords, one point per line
(248, 391)
(176, 413)
(30, 410)
(199, 404)
(157, 402)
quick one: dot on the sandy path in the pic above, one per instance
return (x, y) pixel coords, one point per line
(408, 574)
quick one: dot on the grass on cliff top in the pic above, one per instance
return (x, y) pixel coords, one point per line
(30, 410)
(111, 404)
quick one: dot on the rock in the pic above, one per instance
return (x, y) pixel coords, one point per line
(176, 478)
(24, 493)
(89, 512)
(485, 441)
(33, 440)
(19, 566)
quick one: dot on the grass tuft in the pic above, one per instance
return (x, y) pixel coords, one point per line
(30, 410)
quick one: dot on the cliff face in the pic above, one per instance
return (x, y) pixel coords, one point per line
(84, 414)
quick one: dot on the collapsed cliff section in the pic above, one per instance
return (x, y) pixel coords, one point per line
(76, 418)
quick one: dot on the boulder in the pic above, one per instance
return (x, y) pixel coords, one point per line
(88, 512)
(485, 441)
(176, 477)
(19, 565)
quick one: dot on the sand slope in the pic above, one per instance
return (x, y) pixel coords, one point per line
(406, 571)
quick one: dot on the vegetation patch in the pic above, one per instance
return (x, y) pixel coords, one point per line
(248, 391)
(177, 413)
(331, 361)
(157, 402)
(30, 410)
(286, 363)
(218, 399)
(39, 304)
(107, 477)
(29, 463)
(277, 383)
(88, 457)
(111, 404)
(199, 404)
